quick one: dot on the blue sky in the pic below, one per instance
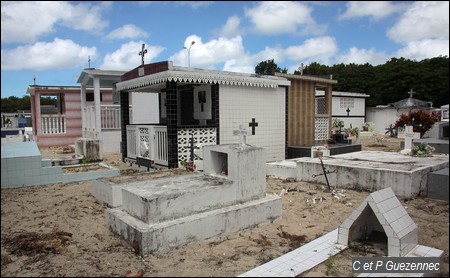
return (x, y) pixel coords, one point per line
(52, 41)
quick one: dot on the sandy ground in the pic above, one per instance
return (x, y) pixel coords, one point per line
(60, 230)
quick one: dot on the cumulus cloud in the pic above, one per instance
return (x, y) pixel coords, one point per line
(231, 28)
(424, 20)
(209, 54)
(59, 54)
(128, 31)
(362, 56)
(26, 21)
(319, 48)
(127, 57)
(282, 17)
(424, 49)
(374, 9)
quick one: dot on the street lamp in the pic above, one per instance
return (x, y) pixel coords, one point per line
(189, 53)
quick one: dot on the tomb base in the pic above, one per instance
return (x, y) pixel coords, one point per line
(166, 235)
(160, 214)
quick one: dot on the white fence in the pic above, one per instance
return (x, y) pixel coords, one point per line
(53, 124)
(149, 142)
(109, 119)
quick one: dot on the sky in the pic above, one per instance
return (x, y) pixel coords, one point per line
(54, 41)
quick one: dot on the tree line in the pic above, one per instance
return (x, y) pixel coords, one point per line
(13, 104)
(386, 83)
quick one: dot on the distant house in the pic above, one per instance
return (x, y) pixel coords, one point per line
(383, 116)
(85, 111)
(348, 107)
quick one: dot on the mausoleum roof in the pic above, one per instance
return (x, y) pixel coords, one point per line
(195, 75)
(412, 102)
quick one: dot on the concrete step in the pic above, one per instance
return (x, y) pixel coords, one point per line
(438, 185)
(173, 197)
(159, 237)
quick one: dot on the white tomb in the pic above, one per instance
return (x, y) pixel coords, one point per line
(160, 214)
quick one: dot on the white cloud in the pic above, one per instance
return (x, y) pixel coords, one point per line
(127, 56)
(424, 49)
(424, 20)
(362, 56)
(26, 21)
(207, 55)
(128, 31)
(58, 54)
(231, 28)
(282, 17)
(321, 49)
(375, 9)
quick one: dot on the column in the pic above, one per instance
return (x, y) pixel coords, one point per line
(37, 102)
(124, 121)
(172, 126)
(98, 119)
(83, 106)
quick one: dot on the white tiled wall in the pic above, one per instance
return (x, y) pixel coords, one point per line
(239, 104)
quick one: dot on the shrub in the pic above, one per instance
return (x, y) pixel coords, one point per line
(420, 120)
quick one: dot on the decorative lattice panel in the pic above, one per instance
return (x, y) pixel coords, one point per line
(321, 125)
(144, 142)
(201, 136)
(320, 105)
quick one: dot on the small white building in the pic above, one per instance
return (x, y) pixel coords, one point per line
(346, 106)
(385, 116)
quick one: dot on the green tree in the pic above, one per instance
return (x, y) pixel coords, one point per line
(268, 67)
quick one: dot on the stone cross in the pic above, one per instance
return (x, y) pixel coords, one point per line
(242, 132)
(411, 93)
(142, 53)
(409, 135)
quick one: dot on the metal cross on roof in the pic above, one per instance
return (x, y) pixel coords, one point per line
(142, 53)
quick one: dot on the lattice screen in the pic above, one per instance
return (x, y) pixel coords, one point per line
(144, 142)
(201, 135)
(321, 125)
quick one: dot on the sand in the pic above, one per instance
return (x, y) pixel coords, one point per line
(60, 230)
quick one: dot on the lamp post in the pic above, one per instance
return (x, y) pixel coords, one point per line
(189, 53)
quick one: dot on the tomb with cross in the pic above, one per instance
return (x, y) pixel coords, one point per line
(409, 135)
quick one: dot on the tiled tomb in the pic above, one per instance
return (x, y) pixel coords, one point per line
(22, 165)
(160, 214)
(381, 212)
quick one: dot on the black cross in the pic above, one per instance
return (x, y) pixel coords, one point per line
(253, 124)
(142, 53)
(348, 111)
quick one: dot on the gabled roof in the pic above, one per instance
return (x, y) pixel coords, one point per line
(412, 102)
(399, 227)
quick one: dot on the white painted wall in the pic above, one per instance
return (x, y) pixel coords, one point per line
(145, 108)
(239, 104)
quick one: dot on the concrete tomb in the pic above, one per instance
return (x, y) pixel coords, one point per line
(158, 215)
(381, 212)
(369, 170)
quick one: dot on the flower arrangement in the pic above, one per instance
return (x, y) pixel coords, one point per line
(338, 124)
(423, 149)
(188, 165)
